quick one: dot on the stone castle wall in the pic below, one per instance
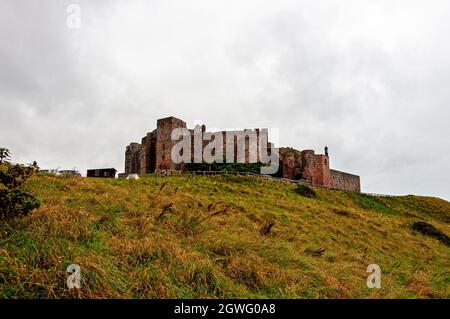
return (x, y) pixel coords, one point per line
(154, 153)
(308, 166)
(133, 158)
(345, 181)
(164, 142)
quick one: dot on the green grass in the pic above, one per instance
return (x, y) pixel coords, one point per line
(208, 237)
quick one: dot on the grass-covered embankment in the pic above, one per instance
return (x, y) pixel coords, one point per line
(220, 237)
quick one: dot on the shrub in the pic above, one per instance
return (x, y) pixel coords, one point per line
(265, 230)
(305, 190)
(254, 168)
(14, 199)
(430, 230)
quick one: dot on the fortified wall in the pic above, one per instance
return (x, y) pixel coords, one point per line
(347, 181)
(154, 154)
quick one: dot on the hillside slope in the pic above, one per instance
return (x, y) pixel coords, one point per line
(210, 237)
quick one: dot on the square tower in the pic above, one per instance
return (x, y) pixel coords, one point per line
(164, 143)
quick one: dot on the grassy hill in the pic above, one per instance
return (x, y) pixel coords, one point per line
(220, 237)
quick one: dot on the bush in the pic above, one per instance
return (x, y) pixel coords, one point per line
(254, 168)
(305, 190)
(430, 230)
(14, 199)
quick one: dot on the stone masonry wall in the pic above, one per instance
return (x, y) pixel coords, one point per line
(132, 158)
(164, 141)
(147, 154)
(154, 153)
(321, 171)
(345, 181)
(288, 167)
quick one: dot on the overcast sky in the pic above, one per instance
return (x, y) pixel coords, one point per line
(370, 79)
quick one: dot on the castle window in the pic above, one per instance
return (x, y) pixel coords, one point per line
(326, 162)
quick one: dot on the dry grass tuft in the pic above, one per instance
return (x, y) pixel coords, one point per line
(265, 230)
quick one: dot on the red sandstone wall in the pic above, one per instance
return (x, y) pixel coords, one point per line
(309, 166)
(250, 147)
(147, 154)
(164, 141)
(155, 153)
(345, 181)
(132, 158)
(289, 166)
(155, 150)
(128, 160)
(307, 157)
(321, 171)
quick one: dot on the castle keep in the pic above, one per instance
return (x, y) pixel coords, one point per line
(154, 154)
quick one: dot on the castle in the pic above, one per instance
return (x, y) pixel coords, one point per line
(154, 154)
